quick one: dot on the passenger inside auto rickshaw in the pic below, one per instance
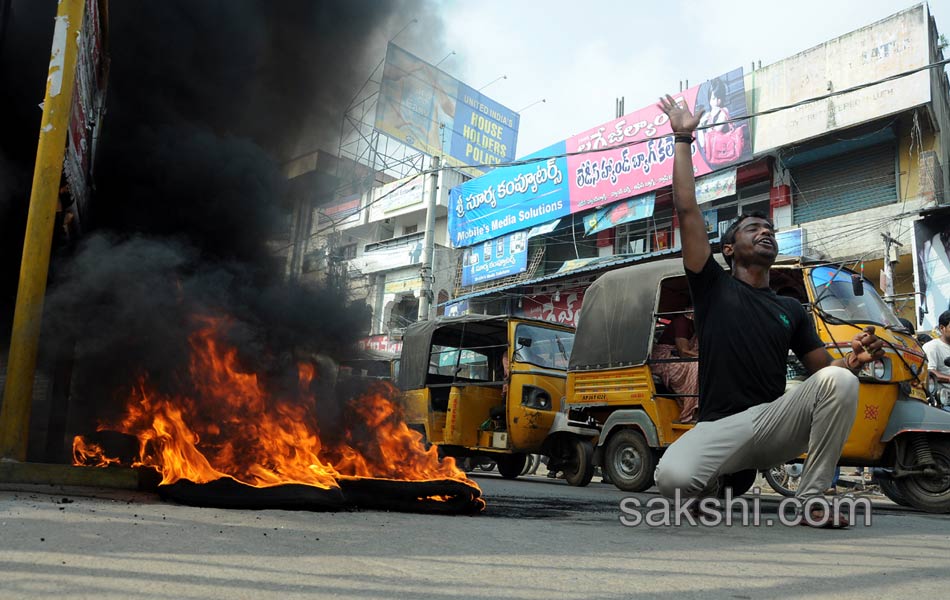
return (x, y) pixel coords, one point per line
(679, 341)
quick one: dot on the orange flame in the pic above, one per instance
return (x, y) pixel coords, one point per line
(230, 427)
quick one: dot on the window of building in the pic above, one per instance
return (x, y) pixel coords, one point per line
(719, 214)
(348, 252)
(404, 313)
(410, 229)
(646, 235)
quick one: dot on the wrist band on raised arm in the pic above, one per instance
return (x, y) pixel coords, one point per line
(683, 138)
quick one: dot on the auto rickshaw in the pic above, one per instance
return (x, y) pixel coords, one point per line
(490, 387)
(612, 392)
(371, 364)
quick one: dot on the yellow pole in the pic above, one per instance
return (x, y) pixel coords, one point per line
(34, 268)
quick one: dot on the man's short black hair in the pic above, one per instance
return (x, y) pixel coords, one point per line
(944, 319)
(729, 237)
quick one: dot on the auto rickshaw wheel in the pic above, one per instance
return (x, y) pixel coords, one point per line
(510, 465)
(579, 467)
(931, 494)
(890, 490)
(629, 461)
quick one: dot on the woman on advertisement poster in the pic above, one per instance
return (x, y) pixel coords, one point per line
(722, 143)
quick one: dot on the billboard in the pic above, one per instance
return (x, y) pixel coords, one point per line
(932, 267)
(386, 257)
(428, 109)
(509, 199)
(618, 213)
(563, 307)
(603, 166)
(893, 45)
(507, 255)
(87, 106)
(397, 197)
(609, 168)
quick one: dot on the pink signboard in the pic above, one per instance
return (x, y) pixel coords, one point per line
(625, 168)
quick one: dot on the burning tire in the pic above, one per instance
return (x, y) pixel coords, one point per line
(629, 461)
(511, 465)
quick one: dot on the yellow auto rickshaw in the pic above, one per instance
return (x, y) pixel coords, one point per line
(613, 395)
(491, 387)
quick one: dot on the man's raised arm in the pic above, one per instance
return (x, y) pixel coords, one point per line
(696, 249)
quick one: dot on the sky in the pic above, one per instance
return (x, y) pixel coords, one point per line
(580, 57)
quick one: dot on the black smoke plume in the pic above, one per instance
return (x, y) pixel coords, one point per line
(208, 100)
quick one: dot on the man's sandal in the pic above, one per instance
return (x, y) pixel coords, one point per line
(824, 518)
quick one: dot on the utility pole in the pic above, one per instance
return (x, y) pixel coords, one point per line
(34, 266)
(428, 244)
(889, 268)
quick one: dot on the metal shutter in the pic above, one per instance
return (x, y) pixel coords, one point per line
(846, 183)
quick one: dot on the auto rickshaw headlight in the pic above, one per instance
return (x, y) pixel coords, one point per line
(878, 369)
(931, 386)
(535, 397)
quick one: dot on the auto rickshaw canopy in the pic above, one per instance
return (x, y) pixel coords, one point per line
(473, 330)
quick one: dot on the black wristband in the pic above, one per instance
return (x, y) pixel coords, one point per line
(683, 139)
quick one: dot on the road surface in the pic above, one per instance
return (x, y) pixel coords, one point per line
(538, 538)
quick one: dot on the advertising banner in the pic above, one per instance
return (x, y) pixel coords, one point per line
(87, 107)
(380, 343)
(428, 109)
(345, 212)
(716, 186)
(607, 165)
(507, 255)
(564, 307)
(509, 199)
(618, 213)
(894, 45)
(385, 258)
(456, 309)
(397, 197)
(932, 268)
(622, 170)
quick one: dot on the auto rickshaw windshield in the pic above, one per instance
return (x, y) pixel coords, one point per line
(837, 298)
(549, 348)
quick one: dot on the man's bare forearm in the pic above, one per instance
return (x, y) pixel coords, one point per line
(684, 181)
(692, 227)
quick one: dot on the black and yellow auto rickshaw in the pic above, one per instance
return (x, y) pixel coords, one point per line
(612, 392)
(491, 387)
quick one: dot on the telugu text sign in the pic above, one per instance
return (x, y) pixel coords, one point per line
(509, 199)
(608, 164)
(507, 255)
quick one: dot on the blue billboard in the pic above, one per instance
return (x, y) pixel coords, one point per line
(500, 257)
(425, 107)
(509, 199)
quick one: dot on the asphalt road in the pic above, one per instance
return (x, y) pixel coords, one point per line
(538, 538)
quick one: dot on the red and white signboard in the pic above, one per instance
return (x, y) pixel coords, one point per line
(380, 343)
(87, 107)
(563, 307)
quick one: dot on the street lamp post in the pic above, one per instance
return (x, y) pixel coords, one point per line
(499, 78)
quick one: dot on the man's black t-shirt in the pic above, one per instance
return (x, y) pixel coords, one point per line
(745, 334)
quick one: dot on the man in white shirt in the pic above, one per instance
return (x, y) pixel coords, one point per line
(938, 351)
